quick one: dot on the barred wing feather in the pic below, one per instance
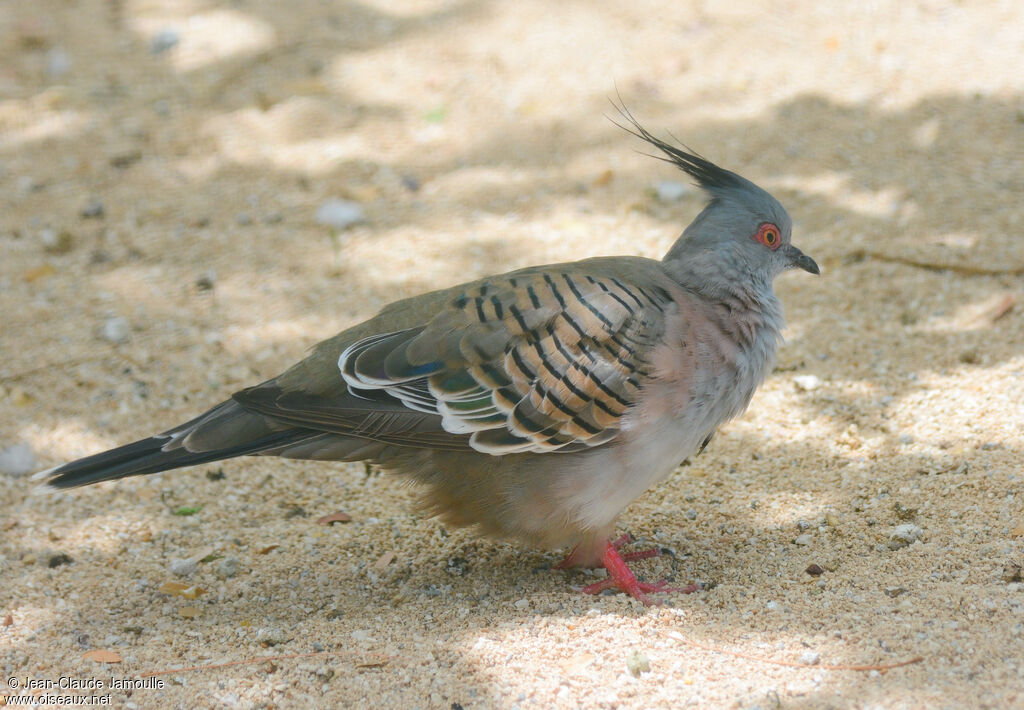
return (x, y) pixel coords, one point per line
(537, 361)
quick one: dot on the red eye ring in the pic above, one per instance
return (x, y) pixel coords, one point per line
(768, 234)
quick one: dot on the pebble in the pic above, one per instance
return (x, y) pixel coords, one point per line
(58, 62)
(55, 242)
(243, 219)
(163, 40)
(637, 663)
(810, 658)
(691, 514)
(273, 636)
(18, 459)
(807, 383)
(115, 330)
(904, 512)
(522, 604)
(207, 280)
(805, 539)
(183, 568)
(227, 568)
(670, 190)
(1012, 572)
(906, 439)
(903, 535)
(93, 209)
(58, 559)
(340, 214)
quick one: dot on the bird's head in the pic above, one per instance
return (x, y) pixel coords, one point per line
(743, 229)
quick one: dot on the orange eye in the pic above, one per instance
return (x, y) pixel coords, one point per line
(768, 234)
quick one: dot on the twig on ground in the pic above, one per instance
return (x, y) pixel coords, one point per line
(967, 269)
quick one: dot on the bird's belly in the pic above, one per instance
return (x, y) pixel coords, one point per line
(611, 479)
(655, 439)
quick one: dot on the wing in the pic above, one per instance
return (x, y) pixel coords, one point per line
(540, 360)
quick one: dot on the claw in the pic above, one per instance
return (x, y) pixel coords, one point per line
(622, 578)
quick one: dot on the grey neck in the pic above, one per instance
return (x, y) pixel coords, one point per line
(744, 304)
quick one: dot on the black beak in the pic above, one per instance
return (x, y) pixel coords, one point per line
(800, 260)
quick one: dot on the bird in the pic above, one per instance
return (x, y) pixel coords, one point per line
(533, 405)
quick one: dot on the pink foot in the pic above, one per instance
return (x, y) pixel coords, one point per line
(621, 577)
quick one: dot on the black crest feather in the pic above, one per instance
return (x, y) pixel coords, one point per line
(707, 174)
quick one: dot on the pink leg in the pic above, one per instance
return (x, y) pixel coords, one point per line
(636, 555)
(622, 578)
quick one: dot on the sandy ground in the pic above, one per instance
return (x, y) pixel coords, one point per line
(161, 164)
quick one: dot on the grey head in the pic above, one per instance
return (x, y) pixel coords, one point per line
(743, 233)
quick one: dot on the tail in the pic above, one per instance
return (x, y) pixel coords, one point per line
(223, 432)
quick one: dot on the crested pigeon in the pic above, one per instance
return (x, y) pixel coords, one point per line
(536, 404)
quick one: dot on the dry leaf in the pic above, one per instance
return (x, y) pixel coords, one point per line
(38, 272)
(338, 517)
(604, 178)
(190, 612)
(8, 620)
(384, 560)
(181, 590)
(101, 655)
(1018, 531)
(268, 548)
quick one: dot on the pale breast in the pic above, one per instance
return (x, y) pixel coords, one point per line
(703, 376)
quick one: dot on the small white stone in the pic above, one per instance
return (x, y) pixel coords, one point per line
(48, 238)
(340, 214)
(270, 634)
(183, 568)
(58, 62)
(903, 535)
(226, 568)
(670, 190)
(805, 539)
(522, 604)
(807, 383)
(163, 40)
(810, 658)
(17, 459)
(115, 330)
